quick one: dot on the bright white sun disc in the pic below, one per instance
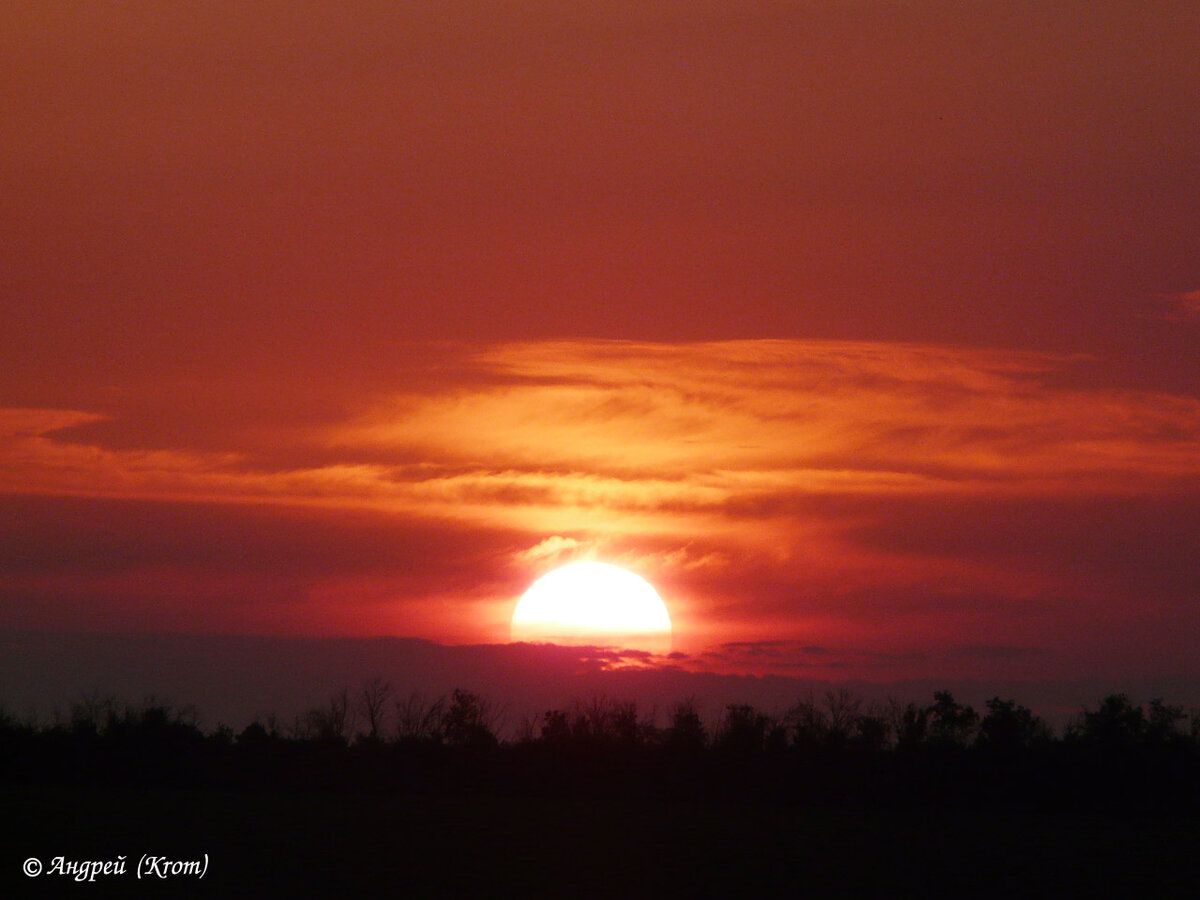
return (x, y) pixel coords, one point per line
(593, 603)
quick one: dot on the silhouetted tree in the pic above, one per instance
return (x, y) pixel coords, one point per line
(528, 728)
(223, 736)
(1165, 723)
(1115, 723)
(625, 727)
(467, 721)
(843, 714)
(951, 723)
(873, 730)
(92, 712)
(838, 722)
(909, 722)
(418, 719)
(686, 732)
(603, 721)
(332, 723)
(373, 700)
(556, 728)
(589, 720)
(742, 731)
(1117, 757)
(809, 724)
(1009, 727)
(255, 734)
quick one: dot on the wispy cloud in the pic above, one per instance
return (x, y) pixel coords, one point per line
(643, 427)
(1185, 307)
(828, 488)
(566, 431)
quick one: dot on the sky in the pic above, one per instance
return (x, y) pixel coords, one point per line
(868, 332)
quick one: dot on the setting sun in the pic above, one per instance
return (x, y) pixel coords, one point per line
(593, 603)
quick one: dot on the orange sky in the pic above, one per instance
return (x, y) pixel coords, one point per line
(866, 331)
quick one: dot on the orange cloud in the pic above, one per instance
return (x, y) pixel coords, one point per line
(753, 481)
(631, 425)
(564, 437)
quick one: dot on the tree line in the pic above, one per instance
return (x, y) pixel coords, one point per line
(838, 747)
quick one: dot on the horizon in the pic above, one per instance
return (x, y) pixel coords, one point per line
(46, 674)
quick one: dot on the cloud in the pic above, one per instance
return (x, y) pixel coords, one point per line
(1185, 307)
(550, 549)
(16, 424)
(103, 564)
(814, 490)
(623, 436)
(782, 657)
(735, 425)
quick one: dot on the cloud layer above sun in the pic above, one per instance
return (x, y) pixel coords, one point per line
(869, 499)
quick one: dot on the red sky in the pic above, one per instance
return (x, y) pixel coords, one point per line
(867, 331)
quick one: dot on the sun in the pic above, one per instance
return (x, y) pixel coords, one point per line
(593, 603)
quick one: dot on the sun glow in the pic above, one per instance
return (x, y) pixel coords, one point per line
(593, 603)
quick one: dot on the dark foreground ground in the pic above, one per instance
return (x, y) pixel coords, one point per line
(348, 844)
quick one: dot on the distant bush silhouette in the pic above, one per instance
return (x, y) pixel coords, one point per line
(419, 720)
(1116, 723)
(950, 723)
(467, 721)
(743, 731)
(1009, 727)
(373, 700)
(332, 723)
(686, 733)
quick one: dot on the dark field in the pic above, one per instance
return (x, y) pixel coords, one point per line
(355, 844)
